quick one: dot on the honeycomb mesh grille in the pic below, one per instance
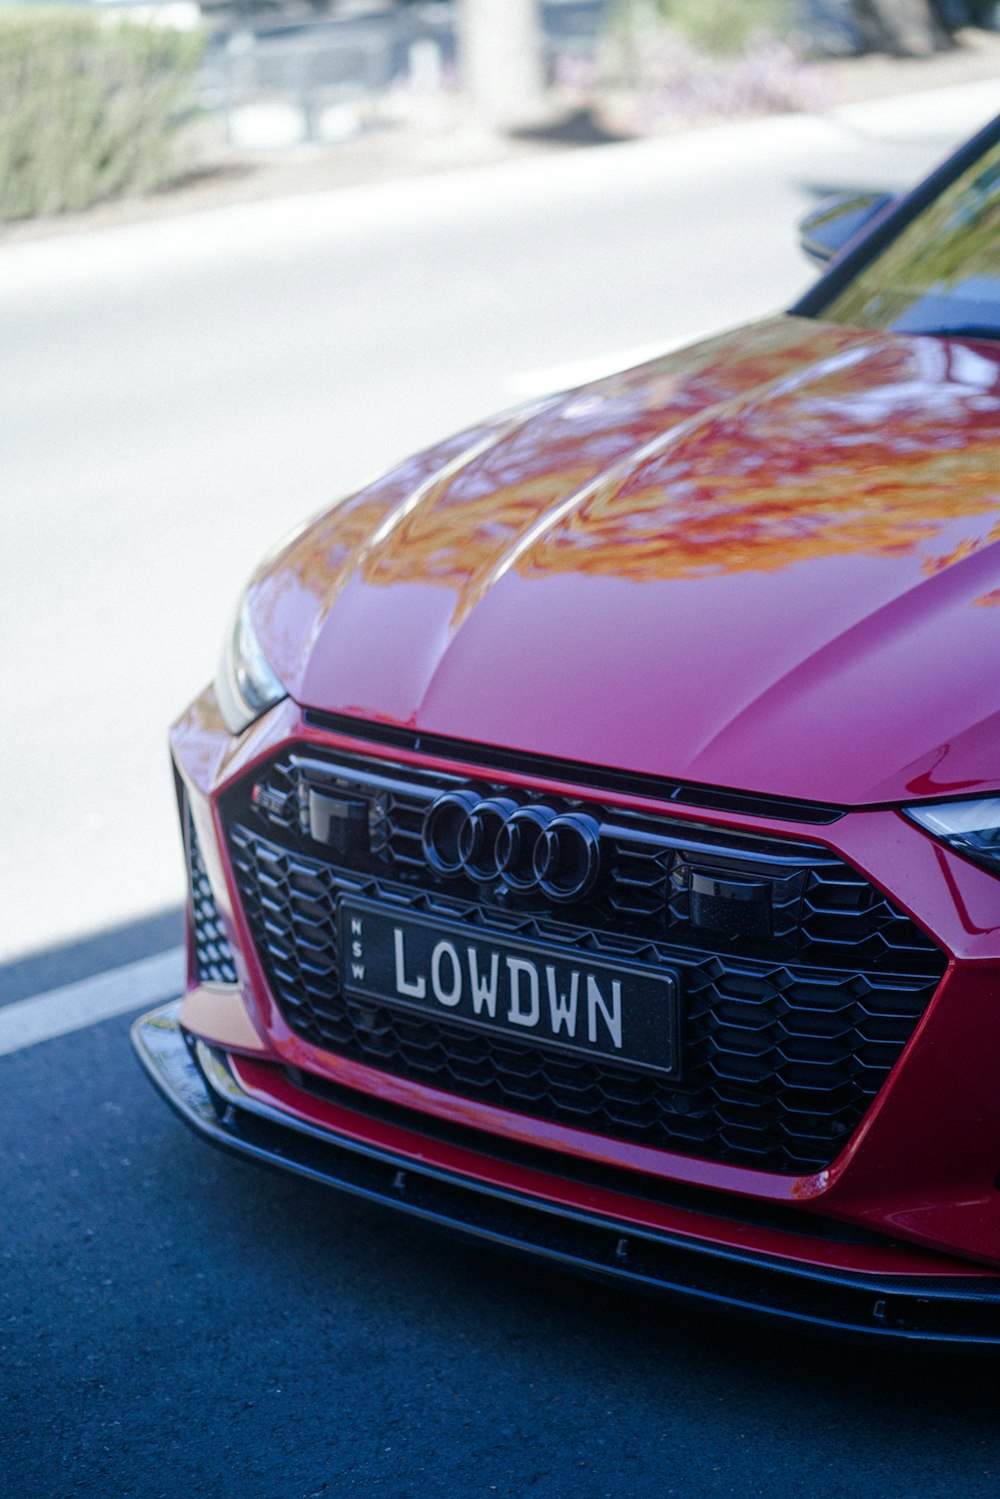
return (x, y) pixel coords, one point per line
(213, 956)
(787, 1037)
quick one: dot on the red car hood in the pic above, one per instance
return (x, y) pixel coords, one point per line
(768, 562)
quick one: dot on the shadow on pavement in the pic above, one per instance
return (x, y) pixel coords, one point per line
(69, 962)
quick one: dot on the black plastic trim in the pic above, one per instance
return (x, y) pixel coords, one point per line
(626, 782)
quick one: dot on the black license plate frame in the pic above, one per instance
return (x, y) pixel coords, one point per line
(623, 1012)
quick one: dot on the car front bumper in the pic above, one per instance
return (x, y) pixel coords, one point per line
(915, 1296)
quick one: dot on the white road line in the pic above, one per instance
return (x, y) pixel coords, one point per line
(75, 1006)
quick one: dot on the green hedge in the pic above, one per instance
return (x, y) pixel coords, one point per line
(89, 107)
(721, 27)
(718, 28)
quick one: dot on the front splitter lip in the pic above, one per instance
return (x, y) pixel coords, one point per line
(195, 1079)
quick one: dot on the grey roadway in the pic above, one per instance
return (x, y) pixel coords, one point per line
(176, 394)
(178, 1325)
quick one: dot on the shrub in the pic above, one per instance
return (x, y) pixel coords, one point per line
(89, 107)
(727, 27)
(665, 63)
(717, 28)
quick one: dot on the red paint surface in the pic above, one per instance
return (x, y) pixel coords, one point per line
(219, 1015)
(737, 565)
(267, 1083)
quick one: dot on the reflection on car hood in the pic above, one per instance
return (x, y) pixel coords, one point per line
(769, 561)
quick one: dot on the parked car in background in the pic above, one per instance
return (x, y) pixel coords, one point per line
(593, 832)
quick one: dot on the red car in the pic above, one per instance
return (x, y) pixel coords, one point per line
(594, 830)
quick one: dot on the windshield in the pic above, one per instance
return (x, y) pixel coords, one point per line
(942, 274)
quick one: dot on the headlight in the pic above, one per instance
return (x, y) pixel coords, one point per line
(247, 684)
(971, 828)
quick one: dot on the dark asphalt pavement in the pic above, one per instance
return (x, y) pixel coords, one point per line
(177, 1323)
(70, 962)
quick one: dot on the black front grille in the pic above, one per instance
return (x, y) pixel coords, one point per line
(213, 956)
(791, 1024)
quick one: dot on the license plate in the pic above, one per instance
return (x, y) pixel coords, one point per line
(559, 1000)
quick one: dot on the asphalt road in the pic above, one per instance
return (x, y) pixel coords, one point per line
(174, 1323)
(175, 395)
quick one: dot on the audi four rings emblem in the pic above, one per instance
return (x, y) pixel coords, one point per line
(526, 845)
